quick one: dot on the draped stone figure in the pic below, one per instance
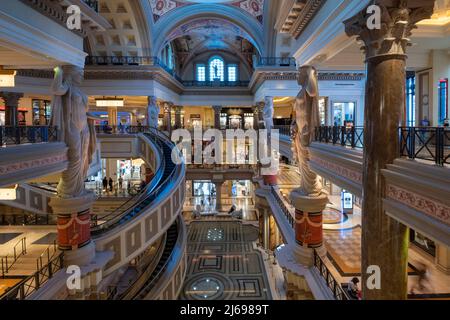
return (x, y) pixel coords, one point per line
(306, 120)
(70, 106)
(268, 112)
(153, 112)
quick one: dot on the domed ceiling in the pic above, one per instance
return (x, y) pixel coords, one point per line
(255, 8)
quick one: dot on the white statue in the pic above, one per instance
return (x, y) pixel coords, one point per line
(268, 113)
(153, 112)
(70, 106)
(306, 120)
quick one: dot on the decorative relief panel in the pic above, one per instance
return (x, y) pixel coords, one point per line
(352, 175)
(420, 203)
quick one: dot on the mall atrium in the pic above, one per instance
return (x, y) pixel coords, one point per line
(224, 150)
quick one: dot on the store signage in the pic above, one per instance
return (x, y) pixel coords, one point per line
(8, 193)
(7, 78)
(347, 200)
(109, 102)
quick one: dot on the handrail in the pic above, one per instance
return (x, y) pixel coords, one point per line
(424, 143)
(46, 252)
(283, 207)
(332, 283)
(27, 134)
(32, 283)
(124, 208)
(23, 250)
(275, 61)
(149, 286)
(152, 193)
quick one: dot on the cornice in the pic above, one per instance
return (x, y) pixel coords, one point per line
(305, 17)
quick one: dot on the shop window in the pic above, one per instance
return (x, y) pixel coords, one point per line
(411, 101)
(216, 69)
(443, 100)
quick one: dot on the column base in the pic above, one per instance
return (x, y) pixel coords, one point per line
(74, 223)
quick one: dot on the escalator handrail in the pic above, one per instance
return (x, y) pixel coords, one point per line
(132, 201)
(149, 286)
(105, 227)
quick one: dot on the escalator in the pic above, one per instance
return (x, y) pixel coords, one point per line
(147, 282)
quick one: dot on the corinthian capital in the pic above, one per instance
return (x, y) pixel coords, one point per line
(398, 19)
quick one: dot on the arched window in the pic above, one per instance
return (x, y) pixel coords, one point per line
(216, 69)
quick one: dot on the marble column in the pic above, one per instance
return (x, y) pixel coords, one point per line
(256, 117)
(178, 124)
(168, 116)
(152, 112)
(218, 186)
(11, 107)
(112, 116)
(384, 240)
(217, 112)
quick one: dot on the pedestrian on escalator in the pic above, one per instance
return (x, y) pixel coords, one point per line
(110, 184)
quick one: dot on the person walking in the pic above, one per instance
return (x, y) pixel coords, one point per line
(120, 182)
(105, 184)
(110, 184)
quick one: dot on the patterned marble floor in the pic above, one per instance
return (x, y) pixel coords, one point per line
(223, 264)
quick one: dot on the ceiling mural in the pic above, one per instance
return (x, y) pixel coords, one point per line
(253, 7)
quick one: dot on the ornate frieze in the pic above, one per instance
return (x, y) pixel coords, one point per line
(32, 164)
(350, 174)
(420, 203)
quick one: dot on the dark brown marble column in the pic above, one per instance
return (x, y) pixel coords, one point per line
(217, 111)
(384, 240)
(11, 107)
(178, 123)
(168, 116)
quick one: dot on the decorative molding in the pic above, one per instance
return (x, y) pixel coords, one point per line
(32, 164)
(54, 11)
(329, 76)
(420, 203)
(306, 15)
(352, 175)
(398, 19)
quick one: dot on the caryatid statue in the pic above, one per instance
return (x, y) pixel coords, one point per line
(306, 120)
(70, 106)
(153, 112)
(268, 112)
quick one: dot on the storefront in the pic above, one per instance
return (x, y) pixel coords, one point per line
(42, 110)
(343, 113)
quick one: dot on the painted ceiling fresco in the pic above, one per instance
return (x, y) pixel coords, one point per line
(255, 8)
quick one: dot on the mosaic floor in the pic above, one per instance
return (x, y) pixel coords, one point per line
(223, 264)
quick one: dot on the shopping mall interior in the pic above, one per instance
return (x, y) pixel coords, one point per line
(96, 95)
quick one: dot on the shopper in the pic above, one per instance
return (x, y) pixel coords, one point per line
(110, 184)
(120, 182)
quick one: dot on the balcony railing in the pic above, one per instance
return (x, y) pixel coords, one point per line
(331, 282)
(345, 136)
(27, 134)
(424, 143)
(431, 144)
(283, 207)
(275, 62)
(284, 130)
(216, 83)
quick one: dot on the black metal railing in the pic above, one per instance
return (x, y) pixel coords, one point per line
(345, 136)
(92, 3)
(426, 143)
(19, 249)
(32, 283)
(27, 134)
(332, 283)
(124, 129)
(275, 62)
(26, 218)
(284, 130)
(283, 207)
(215, 83)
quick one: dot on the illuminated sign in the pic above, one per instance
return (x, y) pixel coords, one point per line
(347, 200)
(109, 102)
(7, 78)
